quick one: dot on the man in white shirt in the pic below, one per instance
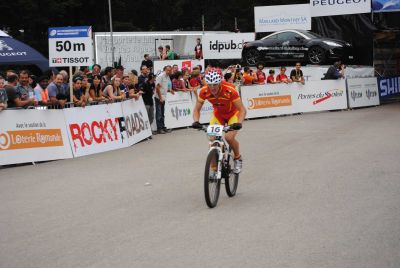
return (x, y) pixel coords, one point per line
(163, 85)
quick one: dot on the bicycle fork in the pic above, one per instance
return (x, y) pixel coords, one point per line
(219, 161)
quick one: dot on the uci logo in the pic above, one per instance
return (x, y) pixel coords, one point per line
(4, 141)
(4, 46)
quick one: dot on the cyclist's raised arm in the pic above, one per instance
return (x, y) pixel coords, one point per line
(242, 110)
(196, 111)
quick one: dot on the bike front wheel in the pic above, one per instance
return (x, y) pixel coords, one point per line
(232, 179)
(212, 183)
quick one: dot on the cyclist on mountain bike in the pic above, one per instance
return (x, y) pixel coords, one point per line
(228, 110)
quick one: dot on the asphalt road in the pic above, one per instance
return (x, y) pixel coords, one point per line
(317, 190)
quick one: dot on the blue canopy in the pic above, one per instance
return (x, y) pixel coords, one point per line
(14, 52)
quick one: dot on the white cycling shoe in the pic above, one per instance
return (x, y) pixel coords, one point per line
(238, 166)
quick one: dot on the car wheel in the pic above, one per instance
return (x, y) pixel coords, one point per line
(251, 57)
(316, 55)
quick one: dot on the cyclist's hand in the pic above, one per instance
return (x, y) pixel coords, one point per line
(236, 126)
(197, 125)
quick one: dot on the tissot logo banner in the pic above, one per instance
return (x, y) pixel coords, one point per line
(225, 46)
(178, 110)
(362, 92)
(339, 7)
(385, 5)
(276, 18)
(70, 46)
(32, 135)
(96, 129)
(389, 86)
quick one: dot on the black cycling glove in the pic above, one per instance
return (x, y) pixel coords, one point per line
(236, 126)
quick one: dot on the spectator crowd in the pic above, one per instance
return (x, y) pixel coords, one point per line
(97, 85)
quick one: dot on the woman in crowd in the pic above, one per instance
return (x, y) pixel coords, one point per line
(177, 82)
(112, 92)
(186, 81)
(129, 88)
(195, 79)
(271, 77)
(85, 86)
(96, 90)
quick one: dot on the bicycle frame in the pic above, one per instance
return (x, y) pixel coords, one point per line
(222, 146)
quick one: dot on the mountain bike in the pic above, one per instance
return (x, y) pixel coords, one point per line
(219, 164)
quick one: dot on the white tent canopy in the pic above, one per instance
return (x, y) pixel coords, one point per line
(3, 33)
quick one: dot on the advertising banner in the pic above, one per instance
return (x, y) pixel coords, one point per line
(187, 64)
(389, 86)
(225, 46)
(385, 5)
(70, 46)
(95, 129)
(136, 122)
(362, 92)
(267, 100)
(284, 17)
(178, 110)
(321, 8)
(130, 47)
(321, 96)
(32, 136)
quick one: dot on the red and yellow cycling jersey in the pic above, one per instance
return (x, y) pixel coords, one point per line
(224, 107)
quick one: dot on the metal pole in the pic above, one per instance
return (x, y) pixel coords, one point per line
(202, 23)
(111, 32)
(235, 24)
(71, 91)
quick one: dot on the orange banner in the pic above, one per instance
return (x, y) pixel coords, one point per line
(270, 102)
(33, 138)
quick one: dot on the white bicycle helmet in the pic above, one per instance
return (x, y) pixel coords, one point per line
(213, 78)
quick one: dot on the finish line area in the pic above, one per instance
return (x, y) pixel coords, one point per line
(317, 190)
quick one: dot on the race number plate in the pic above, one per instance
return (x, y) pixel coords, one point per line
(215, 130)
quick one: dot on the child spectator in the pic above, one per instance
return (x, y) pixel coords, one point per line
(282, 77)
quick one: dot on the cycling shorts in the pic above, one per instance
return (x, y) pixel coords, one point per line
(222, 121)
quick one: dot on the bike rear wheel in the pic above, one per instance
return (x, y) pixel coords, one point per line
(232, 179)
(211, 182)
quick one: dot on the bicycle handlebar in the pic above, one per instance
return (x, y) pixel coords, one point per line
(226, 128)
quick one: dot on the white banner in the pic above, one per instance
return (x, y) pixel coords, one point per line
(95, 129)
(178, 110)
(136, 121)
(269, 99)
(363, 92)
(321, 96)
(187, 64)
(131, 46)
(276, 18)
(32, 136)
(339, 7)
(225, 46)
